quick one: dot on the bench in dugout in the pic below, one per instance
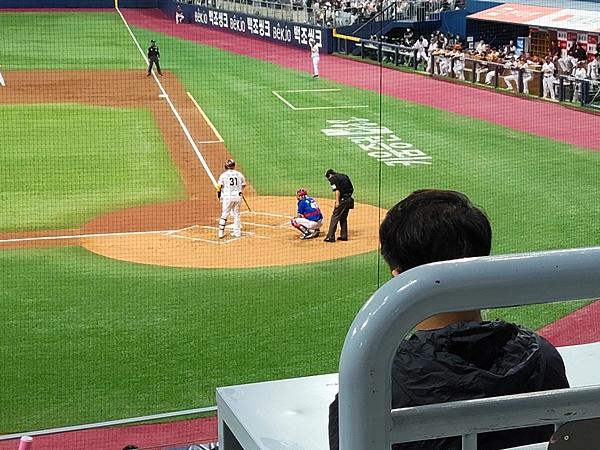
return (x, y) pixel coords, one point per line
(292, 414)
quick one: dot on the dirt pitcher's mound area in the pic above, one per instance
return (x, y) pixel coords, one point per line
(267, 239)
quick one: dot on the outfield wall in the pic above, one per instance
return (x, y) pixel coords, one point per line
(272, 29)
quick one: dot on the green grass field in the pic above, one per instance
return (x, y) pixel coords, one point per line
(89, 339)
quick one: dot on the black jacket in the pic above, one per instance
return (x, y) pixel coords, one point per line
(470, 360)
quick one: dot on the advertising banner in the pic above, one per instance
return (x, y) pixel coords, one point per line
(273, 30)
(542, 16)
(592, 45)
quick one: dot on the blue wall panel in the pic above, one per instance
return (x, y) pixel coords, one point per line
(272, 30)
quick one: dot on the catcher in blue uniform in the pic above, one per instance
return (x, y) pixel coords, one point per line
(309, 219)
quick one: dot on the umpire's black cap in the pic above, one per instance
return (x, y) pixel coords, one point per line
(152, 41)
(329, 172)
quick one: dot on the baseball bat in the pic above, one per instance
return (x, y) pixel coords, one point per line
(246, 202)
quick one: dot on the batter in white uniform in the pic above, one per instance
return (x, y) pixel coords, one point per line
(230, 186)
(314, 53)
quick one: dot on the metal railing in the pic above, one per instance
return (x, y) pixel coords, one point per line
(365, 385)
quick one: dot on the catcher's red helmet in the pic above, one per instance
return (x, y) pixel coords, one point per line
(302, 192)
(230, 164)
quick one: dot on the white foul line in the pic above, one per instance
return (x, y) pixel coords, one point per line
(166, 96)
(82, 236)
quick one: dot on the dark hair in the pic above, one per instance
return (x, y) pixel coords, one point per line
(433, 225)
(330, 172)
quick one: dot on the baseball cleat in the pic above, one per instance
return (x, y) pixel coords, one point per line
(221, 234)
(328, 240)
(316, 233)
(306, 235)
(234, 234)
(342, 239)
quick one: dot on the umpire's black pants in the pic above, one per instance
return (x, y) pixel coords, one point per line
(340, 214)
(151, 63)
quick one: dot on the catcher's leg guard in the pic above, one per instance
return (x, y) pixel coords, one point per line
(299, 227)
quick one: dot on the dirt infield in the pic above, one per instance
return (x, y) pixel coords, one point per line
(179, 234)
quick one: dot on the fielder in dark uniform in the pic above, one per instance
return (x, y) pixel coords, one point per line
(342, 186)
(153, 57)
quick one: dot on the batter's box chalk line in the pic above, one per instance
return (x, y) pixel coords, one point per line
(250, 219)
(207, 234)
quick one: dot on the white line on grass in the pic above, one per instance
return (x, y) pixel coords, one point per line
(313, 90)
(276, 94)
(332, 107)
(81, 236)
(166, 96)
(283, 100)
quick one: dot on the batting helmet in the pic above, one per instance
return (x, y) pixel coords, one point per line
(302, 192)
(230, 164)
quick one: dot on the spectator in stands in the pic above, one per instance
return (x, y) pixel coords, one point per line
(548, 70)
(594, 68)
(456, 355)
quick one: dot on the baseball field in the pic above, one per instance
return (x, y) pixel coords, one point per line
(118, 300)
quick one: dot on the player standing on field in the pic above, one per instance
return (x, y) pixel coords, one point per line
(314, 53)
(2, 79)
(230, 190)
(153, 58)
(309, 219)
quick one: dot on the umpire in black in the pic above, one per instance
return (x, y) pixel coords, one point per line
(153, 57)
(342, 186)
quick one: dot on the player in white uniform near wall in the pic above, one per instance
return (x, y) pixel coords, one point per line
(230, 188)
(314, 54)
